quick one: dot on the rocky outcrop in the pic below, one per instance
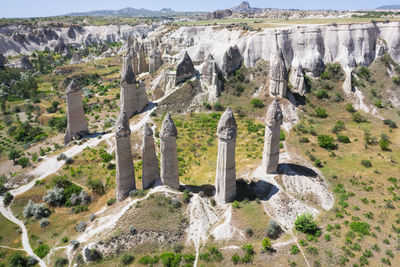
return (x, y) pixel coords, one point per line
(381, 48)
(150, 171)
(232, 60)
(169, 156)
(185, 69)
(142, 64)
(3, 61)
(154, 60)
(76, 59)
(133, 93)
(273, 123)
(225, 180)
(26, 63)
(220, 14)
(296, 80)
(278, 76)
(210, 79)
(76, 121)
(125, 179)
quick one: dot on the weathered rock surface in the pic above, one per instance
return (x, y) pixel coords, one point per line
(76, 59)
(381, 48)
(210, 79)
(185, 69)
(297, 80)
(225, 180)
(232, 60)
(133, 93)
(142, 64)
(150, 171)
(77, 125)
(125, 179)
(273, 123)
(169, 156)
(26, 63)
(154, 60)
(3, 61)
(278, 76)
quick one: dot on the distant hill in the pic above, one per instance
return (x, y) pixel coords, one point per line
(245, 7)
(389, 7)
(132, 12)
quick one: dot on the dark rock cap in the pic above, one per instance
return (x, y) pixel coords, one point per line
(147, 131)
(127, 76)
(168, 127)
(73, 87)
(227, 127)
(274, 114)
(122, 128)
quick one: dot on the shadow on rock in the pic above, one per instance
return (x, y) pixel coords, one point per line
(260, 189)
(292, 169)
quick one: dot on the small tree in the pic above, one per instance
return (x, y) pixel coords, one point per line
(305, 224)
(384, 142)
(257, 103)
(266, 244)
(14, 155)
(326, 141)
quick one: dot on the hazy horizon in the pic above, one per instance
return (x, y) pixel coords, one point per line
(44, 8)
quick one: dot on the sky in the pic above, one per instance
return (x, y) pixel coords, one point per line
(40, 8)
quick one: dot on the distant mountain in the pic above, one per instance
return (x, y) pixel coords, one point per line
(245, 7)
(389, 7)
(132, 12)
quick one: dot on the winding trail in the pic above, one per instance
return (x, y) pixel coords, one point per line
(50, 165)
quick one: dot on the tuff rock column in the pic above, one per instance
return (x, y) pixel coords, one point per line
(278, 76)
(142, 64)
(154, 61)
(273, 122)
(125, 179)
(128, 89)
(210, 80)
(225, 180)
(77, 126)
(150, 172)
(169, 156)
(185, 69)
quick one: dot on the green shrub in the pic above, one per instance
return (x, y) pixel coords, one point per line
(218, 106)
(366, 163)
(322, 94)
(111, 201)
(304, 139)
(358, 117)
(384, 142)
(213, 255)
(42, 250)
(321, 113)
(326, 141)
(148, 260)
(96, 186)
(60, 262)
(266, 244)
(396, 80)
(282, 136)
(127, 259)
(343, 139)
(378, 104)
(339, 126)
(236, 204)
(7, 199)
(257, 103)
(23, 162)
(360, 227)
(390, 123)
(305, 224)
(333, 71)
(273, 229)
(294, 250)
(235, 259)
(350, 108)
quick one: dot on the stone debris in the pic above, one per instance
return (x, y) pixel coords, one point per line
(278, 76)
(125, 179)
(185, 69)
(77, 125)
(225, 180)
(150, 171)
(169, 157)
(210, 80)
(273, 122)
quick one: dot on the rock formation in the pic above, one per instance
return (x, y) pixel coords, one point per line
(225, 180)
(278, 76)
(169, 156)
(185, 69)
(220, 14)
(150, 171)
(154, 61)
(26, 63)
(3, 62)
(77, 126)
(381, 48)
(133, 93)
(210, 80)
(76, 59)
(232, 60)
(273, 122)
(297, 80)
(142, 64)
(125, 179)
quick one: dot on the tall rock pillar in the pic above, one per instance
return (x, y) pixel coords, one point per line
(278, 76)
(169, 156)
(150, 172)
(154, 60)
(225, 180)
(273, 122)
(125, 179)
(77, 125)
(128, 89)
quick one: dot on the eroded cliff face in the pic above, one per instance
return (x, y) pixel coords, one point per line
(308, 46)
(18, 39)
